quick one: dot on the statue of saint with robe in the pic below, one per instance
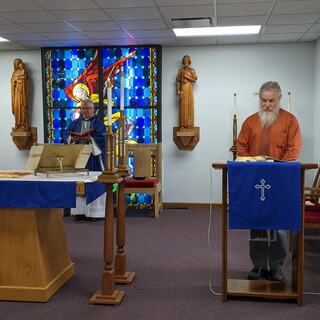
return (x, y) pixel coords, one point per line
(19, 95)
(184, 82)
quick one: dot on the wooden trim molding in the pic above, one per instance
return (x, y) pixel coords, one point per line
(191, 204)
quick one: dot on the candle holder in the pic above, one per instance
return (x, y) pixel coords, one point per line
(289, 101)
(233, 148)
(107, 294)
(110, 171)
(122, 166)
(121, 275)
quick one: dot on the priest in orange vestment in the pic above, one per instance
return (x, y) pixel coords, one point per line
(275, 133)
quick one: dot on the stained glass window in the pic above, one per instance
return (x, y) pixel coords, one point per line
(74, 74)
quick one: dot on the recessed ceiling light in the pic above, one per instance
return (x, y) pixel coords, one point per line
(216, 31)
(3, 39)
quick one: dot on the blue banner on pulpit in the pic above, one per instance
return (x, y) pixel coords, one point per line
(264, 195)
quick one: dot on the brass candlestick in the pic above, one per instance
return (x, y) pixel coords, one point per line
(122, 166)
(110, 169)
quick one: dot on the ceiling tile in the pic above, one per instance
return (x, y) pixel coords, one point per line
(152, 33)
(78, 42)
(252, 38)
(165, 3)
(117, 42)
(124, 3)
(4, 21)
(48, 27)
(157, 41)
(192, 41)
(107, 34)
(18, 5)
(310, 36)
(243, 9)
(292, 7)
(293, 19)
(240, 21)
(280, 37)
(242, 1)
(315, 28)
(11, 46)
(134, 13)
(50, 43)
(31, 17)
(65, 35)
(188, 11)
(143, 24)
(95, 26)
(65, 4)
(24, 36)
(12, 28)
(81, 15)
(286, 28)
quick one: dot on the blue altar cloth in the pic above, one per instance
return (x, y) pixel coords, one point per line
(45, 194)
(264, 195)
(37, 194)
(94, 190)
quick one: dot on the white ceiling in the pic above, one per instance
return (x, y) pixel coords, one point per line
(41, 23)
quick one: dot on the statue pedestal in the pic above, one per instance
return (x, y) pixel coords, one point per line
(186, 138)
(24, 138)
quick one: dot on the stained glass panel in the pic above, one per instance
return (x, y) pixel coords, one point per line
(73, 74)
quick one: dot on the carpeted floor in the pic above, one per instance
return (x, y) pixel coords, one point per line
(174, 266)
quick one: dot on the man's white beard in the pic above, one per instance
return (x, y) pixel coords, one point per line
(267, 118)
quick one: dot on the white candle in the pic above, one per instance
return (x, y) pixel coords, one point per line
(235, 103)
(122, 91)
(109, 95)
(289, 101)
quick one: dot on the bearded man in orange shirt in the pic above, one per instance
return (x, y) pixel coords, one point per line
(275, 133)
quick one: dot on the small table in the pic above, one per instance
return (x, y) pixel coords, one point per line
(35, 259)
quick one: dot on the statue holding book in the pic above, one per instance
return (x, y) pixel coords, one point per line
(19, 94)
(186, 136)
(22, 134)
(184, 82)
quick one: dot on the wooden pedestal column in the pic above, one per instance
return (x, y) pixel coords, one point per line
(122, 276)
(108, 294)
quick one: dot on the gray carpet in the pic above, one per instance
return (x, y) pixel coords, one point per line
(174, 266)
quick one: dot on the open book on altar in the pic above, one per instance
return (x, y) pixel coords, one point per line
(254, 159)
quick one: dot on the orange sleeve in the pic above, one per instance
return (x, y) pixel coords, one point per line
(294, 142)
(243, 140)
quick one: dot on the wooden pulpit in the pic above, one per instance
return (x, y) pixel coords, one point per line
(263, 288)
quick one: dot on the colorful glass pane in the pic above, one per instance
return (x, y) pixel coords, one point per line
(72, 74)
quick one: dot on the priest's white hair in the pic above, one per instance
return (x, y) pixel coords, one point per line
(267, 118)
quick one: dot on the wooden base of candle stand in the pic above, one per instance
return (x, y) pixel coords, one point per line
(121, 276)
(114, 299)
(126, 278)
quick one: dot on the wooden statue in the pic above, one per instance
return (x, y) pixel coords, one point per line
(186, 136)
(185, 79)
(23, 136)
(19, 94)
